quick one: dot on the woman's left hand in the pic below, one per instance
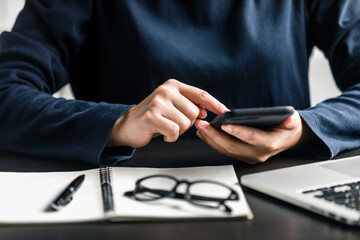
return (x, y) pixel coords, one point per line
(253, 145)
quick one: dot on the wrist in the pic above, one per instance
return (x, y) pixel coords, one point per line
(306, 137)
(116, 136)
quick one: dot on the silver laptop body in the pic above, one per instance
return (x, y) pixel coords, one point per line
(330, 188)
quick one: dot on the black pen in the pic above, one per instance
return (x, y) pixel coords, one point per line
(67, 195)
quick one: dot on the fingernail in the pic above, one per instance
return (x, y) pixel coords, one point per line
(227, 128)
(226, 109)
(203, 126)
(288, 121)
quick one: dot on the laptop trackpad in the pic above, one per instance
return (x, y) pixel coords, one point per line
(350, 167)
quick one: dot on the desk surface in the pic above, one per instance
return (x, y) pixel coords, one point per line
(273, 219)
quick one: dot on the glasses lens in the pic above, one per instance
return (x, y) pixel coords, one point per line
(208, 193)
(155, 187)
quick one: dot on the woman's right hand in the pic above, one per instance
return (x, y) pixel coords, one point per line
(169, 111)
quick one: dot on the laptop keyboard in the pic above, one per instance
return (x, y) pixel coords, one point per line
(347, 194)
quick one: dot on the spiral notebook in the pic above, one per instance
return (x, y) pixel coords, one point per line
(25, 196)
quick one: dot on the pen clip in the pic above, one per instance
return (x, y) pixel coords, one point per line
(66, 196)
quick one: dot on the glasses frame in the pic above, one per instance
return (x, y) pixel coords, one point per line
(173, 193)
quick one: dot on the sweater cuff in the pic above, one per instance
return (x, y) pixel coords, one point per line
(319, 149)
(97, 153)
(112, 155)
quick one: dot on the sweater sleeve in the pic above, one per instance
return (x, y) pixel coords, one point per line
(334, 26)
(35, 61)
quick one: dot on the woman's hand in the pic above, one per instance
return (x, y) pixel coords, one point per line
(254, 145)
(169, 111)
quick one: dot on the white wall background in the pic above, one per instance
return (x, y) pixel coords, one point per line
(8, 12)
(322, 85)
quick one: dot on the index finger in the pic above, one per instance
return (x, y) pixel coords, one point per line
(202, 98)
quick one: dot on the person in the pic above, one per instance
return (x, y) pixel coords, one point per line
(122, 58)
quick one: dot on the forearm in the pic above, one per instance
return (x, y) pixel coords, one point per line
(336, 123)
(35, 123)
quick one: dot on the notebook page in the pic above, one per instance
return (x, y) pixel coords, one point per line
(124, 180)
(25, 196)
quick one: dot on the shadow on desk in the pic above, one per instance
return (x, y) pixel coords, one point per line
(184, 153)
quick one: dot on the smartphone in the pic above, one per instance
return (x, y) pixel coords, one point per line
(254, 117)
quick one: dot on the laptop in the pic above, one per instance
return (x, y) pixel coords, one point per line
(330, 188)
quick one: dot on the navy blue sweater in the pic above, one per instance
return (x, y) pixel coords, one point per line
(114, 53)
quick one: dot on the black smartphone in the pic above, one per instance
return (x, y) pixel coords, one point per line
(254, 117)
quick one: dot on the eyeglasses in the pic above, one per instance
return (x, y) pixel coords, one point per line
(203, 193)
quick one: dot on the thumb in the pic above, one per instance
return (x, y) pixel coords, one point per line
(291, 121)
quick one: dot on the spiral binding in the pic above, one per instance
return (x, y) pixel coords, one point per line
(105, 181)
